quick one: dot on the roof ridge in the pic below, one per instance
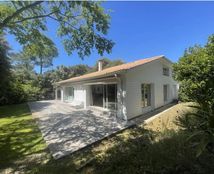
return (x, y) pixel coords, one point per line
(148, 58)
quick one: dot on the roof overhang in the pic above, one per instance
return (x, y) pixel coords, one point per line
(114, 79)
(110, 80)
(89, 80)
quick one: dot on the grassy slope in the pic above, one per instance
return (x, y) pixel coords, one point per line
(135, 150)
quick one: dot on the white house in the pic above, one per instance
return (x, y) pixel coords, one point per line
(129, 89)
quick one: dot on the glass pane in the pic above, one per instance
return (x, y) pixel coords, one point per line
(69, 93)
(145, 95)
(142, 95)
(111, 96)
(97, 95)
(149, 95)
(165, 91)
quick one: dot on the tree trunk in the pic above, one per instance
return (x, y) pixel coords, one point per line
(41, 65)
(41, 69)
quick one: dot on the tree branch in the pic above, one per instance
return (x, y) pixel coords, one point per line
(35, 17)
(58, 20)
(19, 11)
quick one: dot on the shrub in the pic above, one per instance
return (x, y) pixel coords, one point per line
(32, 93)
(12, 93)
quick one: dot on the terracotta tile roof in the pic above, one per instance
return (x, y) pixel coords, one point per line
(111, 70)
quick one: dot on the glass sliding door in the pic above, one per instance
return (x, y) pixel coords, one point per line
(105, 96)
(97, 95)
(111, 96)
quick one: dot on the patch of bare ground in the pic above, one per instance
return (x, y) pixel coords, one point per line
(166, 120)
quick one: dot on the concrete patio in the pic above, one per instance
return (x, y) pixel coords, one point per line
(67, 129)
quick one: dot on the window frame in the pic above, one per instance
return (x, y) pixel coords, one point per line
(165, 89)
(146, 95)
(166, 71)
(70, 91)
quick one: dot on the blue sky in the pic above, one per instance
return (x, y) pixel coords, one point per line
(144, 29)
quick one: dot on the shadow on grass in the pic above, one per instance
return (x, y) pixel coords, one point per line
(19, 136)
(139, 152)
(14, 111)
(150, 152)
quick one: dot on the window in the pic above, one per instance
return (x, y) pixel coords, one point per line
(165, 71)
(145, 95)
(70, 93)
(165, 93)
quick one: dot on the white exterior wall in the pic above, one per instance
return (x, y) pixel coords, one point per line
(62, 93)
(121, 98)
(151, 73)
(80, 94)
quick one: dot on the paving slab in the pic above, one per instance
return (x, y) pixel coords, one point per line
(67, 129)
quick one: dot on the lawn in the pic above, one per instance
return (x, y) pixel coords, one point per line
(20, 138)
(135, 150)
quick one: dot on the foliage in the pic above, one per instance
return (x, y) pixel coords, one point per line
(41, 52)
(200, 123)
(143, 155)
(107, 63)
(10, 91)
(4, 60)
(32, 92)
(64, 72)
(81, 25)
(195, 72)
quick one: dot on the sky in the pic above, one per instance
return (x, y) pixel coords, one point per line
(145, 29)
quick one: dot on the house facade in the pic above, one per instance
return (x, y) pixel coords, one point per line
(128, 90)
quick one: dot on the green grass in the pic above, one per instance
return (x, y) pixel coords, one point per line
(19, 135)
(134, 150)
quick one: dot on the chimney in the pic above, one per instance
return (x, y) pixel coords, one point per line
(100, 65)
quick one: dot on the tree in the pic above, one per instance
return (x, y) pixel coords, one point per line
(4, 60)
(195, 72)
(107, 63)
(10, 90)
(47, 80)
(81, 25)
(41, 52)
(79, 70)
(22, 67)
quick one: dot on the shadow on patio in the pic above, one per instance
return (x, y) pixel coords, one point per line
(70, 130)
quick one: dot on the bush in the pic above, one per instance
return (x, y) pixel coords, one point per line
(32, 93)
(195, 72)
(12, 93)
